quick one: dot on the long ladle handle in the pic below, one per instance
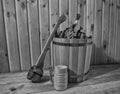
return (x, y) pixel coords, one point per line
(47, 45)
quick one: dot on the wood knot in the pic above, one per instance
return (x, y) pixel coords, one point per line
(99, 10)
(105, 45)
(81, 4)
(52, 14)
(32, 1)
(6, 54)
(112, 4)
(12, 89)
(23, 5)
(92, 27)
(56, 13)
(8, 14)
(44, 5)
(67, 13)
(84, 2)
(118, 6)
(103, 0)
(53, 25)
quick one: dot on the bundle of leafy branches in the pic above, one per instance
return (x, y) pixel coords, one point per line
(71, 33)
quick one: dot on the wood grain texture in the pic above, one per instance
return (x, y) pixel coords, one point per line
(98, 30)
(53, 18)
(105, 30)
(102, 79)
(61, 53)
(88, 56)
(64, 53)
(85, 15)
(4, 65)
(56, 53)
(81, 60)
(11, 35)
(73, 61)
(23, 35)
(81, 12)
(90, 4)
(44, 27)
(64, 9)
(118, 32)
(34, 32)
(90, 17)
(73, 9)
(112, 31)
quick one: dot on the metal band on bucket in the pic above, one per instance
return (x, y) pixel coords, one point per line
(69, 44)
(89, 43)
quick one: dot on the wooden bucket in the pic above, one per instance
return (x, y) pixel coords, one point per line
(72, 53)
(88, 58)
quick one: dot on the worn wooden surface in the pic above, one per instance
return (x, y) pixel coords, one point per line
(74, 54)
(105, 30)
(103, 79)
(11, 35)
(44, 26)
(34, 30)
(97, 30)
(23, 35)
(4, 66)
(117, 31)
(112, 30)
(26, 24)
(64, 9)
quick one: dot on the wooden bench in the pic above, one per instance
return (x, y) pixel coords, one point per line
(102, 79)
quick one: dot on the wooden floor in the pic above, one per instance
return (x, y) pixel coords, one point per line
(103, 79)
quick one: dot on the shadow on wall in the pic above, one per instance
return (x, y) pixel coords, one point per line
(102, 55)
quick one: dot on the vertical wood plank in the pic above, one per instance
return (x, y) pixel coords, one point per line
(22, 25)
(112, 31)
(54, 12)
(4, 64)
(73, 9)
(118, 32)
(81, 12)
(81, 60)
(11, 35)
(53, 17)
(88, 4)
(98, 30)
(90, 14)
(85, 15)
(64, 9)
(64, 53)
(56, 53)
(92, 31)
(44, 27)
(34, 33)
(105, 30)
(90, 24)
(73, 61)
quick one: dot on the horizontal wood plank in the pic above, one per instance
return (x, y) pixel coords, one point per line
(101, 79)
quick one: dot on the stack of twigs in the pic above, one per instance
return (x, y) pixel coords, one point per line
(71, 32)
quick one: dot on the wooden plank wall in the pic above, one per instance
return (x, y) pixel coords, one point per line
(26, 24)
(4, 66)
